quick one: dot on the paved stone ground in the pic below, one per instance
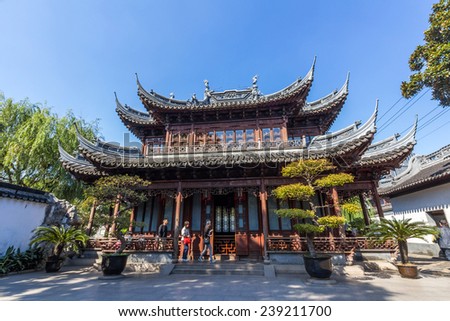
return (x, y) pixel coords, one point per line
(382, 284)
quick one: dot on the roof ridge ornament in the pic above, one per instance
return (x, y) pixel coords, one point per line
(255, 90)
(207, 94)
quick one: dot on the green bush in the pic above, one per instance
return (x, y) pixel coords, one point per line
(15, 260)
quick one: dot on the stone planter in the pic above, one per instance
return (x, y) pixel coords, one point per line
(53, 265)
(409, 271)
(114, 264)
(318, 267)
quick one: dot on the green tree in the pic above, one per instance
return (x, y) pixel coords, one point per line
(430, 62)
(401, 231)
(120, 190)
(29, 156)
(59, 239)
(308, 221)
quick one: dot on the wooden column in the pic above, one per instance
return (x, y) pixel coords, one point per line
(263, 199)
(132, 217)
(178, 200)
(335, 197)
(376, 199)
(91, 218)
(364, 209)
(115, 214)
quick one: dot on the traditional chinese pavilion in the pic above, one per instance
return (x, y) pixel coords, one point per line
(219, 158)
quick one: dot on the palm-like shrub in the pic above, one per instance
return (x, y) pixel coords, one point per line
(401, 231)
(59, 239)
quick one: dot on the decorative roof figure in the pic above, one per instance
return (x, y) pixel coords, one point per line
(207, 95)
(255, 91)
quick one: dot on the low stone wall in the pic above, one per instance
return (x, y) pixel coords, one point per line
(297, 258)
(337, 258)
(431, 249)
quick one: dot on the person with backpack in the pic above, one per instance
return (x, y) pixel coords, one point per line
(207, 234)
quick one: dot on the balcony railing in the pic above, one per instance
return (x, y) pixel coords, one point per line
(135, 244)
(326, 244)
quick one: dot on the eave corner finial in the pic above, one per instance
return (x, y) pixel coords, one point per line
(137, 79)
(314, 62)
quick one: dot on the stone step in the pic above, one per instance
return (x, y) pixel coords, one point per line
(205, 268)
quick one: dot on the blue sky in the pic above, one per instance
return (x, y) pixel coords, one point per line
(75, 54)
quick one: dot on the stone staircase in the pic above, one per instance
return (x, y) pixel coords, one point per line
(219, 268)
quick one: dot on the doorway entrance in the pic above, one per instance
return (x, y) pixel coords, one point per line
(224, 225)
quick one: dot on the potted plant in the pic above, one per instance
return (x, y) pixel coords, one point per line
(122, 192)
(401, 231)
(308, 221)
(59, 240)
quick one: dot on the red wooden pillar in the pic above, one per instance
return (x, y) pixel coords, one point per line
(263, 199)
(132, 217)
(115, 214)
(376, 199)
(178, 200)
(91, 218)
(335, 197)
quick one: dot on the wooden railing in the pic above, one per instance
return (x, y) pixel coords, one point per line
(326, 244)
(138, 244)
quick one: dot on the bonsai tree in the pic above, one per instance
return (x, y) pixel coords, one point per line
(401, 231)
(123, 192)
(308, 221)
(59, 240)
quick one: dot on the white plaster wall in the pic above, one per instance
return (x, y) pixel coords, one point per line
(18, 219)
(428, 198)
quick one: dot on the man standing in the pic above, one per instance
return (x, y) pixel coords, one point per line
(162, 234)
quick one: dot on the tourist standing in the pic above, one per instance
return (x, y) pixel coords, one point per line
(444, 238)
(207, 234)
(162, 234)
(185, 240)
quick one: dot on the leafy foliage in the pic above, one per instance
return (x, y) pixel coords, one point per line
(310, 171)
(15, 260)
(331, 221)
(401, 231)
(294, 192)
(332, 180)
(29, 155)
(430, 62)
(309, 229)
(59, 239)
(296, 213)
(124, 190)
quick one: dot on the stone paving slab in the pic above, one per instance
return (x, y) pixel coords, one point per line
(76, 284)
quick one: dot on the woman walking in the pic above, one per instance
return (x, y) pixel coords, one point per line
(207, 233)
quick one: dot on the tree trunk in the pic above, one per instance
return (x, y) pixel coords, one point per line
(310, 244)
(403, 246)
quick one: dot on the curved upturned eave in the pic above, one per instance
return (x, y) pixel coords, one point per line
(133, 116)
(332, 101)
(155, 102)
(343, 143)
(352, 140)
(79, 168)
(390, 150)
(135, 120)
